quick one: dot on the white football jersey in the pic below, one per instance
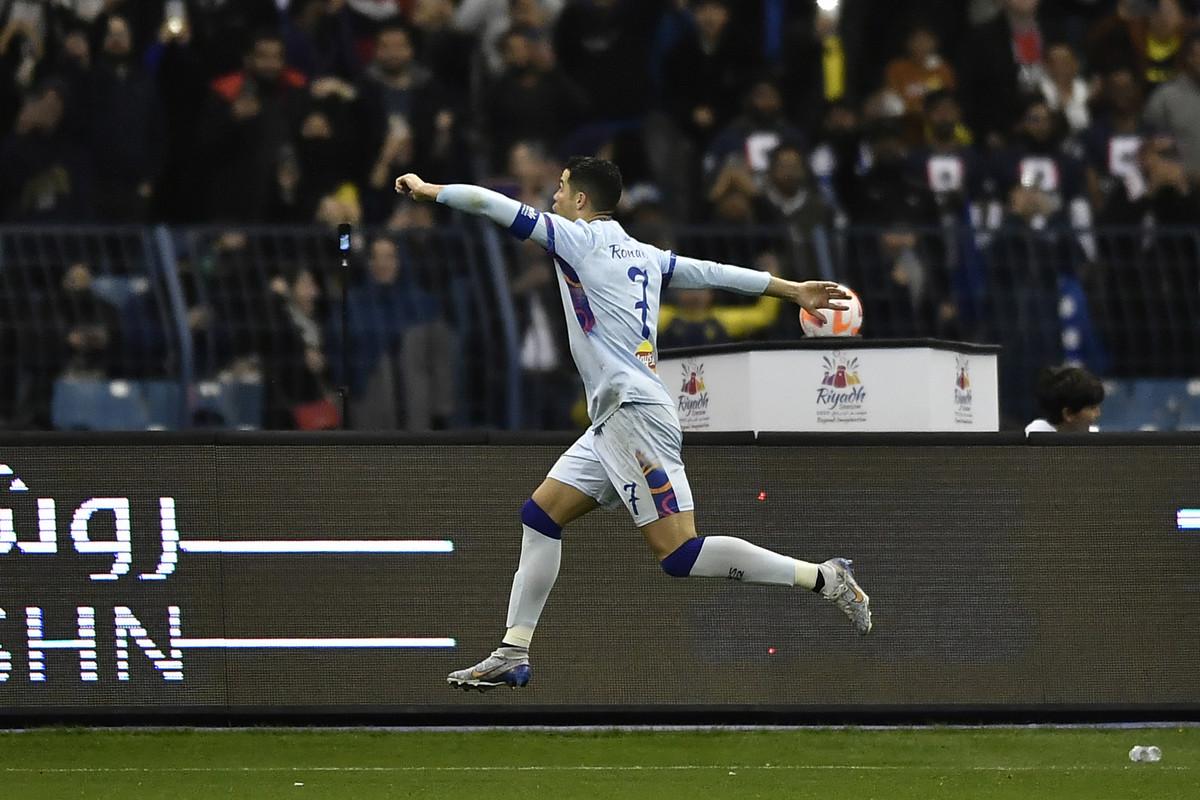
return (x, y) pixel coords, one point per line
(610, 286)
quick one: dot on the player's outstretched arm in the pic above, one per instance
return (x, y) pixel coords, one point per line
(520, 220)
(691, 273)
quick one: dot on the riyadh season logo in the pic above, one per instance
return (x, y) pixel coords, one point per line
(962, 390)
(692, 400)
(841, 396)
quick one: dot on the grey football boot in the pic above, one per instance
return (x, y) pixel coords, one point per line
(498, 669)
(844, 592)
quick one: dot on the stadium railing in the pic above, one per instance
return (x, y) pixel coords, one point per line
(242, 327)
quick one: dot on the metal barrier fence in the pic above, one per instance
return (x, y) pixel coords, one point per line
(130, 329)
(458, 326)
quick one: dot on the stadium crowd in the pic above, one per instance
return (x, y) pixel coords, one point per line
(901, 118)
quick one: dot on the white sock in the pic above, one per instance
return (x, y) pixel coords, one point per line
(538, 568)
(730, 557)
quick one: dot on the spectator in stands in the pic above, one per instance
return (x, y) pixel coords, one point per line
(489, 20)
(1042, 185)
(1175, 108)
(125, 129)
(703, 75)
(228, 289)
(22, 46)
(947, 166)
(1112, 43)
(377, 12)
(88, 340)
(815, 72)
(693, 319)
(1064, 90)
(1069, 400)
(402, 98)
(550, 384)
(252, 115)
(886, 193)
(838, 140)
(1171, 196)
(1111, 145)
(530, 101)
(175, 65)
(604, 46)
(1000, 61)
(295, 366)
(904, 263)
(442, 48)
(337, 207)
(790, 197)
(221, 30)
(328, 150)
(920, 71)
(73, 66)
(531, 176)
(1033, 260)
(731, 196)
(1167, 28)
(47, 172)
(401, 349)
(319, 38)
(750, 138)
(1144, 35)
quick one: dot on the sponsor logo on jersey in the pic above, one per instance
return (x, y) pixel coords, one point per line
(645, 354)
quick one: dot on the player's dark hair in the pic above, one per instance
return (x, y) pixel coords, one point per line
(1072, 388)
(599, 179)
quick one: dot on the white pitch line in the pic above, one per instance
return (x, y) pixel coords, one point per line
(246, 644)
(316, 546)
(618, 768)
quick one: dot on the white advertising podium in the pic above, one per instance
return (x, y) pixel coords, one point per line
(847, 384)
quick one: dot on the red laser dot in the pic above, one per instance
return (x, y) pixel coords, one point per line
(762, 496)
(770, 651)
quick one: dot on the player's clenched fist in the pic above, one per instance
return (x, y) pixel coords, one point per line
(411, 184)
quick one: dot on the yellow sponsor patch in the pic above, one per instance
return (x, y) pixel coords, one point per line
(645, 354)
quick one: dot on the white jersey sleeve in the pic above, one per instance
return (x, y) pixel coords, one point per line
(692, 273)
(570, 241)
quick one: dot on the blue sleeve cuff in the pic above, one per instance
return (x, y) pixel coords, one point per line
(670, 272)
(522, 227)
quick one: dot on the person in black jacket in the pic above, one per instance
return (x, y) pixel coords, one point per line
(530, 101)
(47, 171)
(1000, 62)
(405, 117)
(125, 129)
(251, 119)
(704, 74)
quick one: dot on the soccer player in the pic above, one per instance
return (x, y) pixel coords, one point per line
(610, 286)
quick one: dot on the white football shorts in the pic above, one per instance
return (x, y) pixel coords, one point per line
(633, 458)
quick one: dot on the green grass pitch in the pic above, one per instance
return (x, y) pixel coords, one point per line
(981, 764)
